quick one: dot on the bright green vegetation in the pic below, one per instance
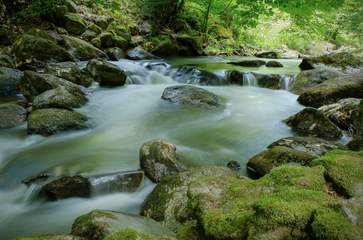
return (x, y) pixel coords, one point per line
(131, 234)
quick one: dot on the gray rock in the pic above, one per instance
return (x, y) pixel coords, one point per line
(82, 50)
(70, 71)
(193, 75)
(107, 74)
(115, 53)
(158, 159)
(139, 53)
(9, 81)
(190, 95)
(11, 115)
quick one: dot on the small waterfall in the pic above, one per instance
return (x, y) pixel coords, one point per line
(31, 193)
(286, 81)
(249, 79)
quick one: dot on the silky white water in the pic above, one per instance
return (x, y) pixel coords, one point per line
(121, 120)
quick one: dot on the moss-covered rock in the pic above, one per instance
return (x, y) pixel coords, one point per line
(106, 39)
(34, 84)
(263, 162)
(11, 115)
(353, 210)
(158, 159)
(312, 122)
(74, 23)
(332, 90)
(131, 234)
(88, 35)
(6, 61)
(82, 50)
(58, 98)
(50, 237)
(139, 53)
(107, 74)
(115, 53)
(190, 95)
(274, 64)
(345, 170)
(9, 81)
(194, 75)
(101, 224)
(357, 143)
(168, 202)
(69, 71)
(29, 48)
(51, 121)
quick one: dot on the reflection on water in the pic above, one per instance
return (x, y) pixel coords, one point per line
(122, 119)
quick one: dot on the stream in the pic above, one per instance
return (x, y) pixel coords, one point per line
(121, 120)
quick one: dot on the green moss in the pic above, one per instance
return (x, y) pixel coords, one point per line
(345, 170)
(49, 237)
(74, 23)
(328, 224)
(131, 234)
(187, 231)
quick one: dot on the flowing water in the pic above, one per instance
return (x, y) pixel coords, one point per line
(121, 120)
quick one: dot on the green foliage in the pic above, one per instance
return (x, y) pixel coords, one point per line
(163, 12)
(40, 8)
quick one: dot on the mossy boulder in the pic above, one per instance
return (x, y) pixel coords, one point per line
(268, 54)
(6, 61)
(50, 237)
(67, 187)
(353, 210)
(115, 53)
(9, 81)
(310, 145)
(131, 234)
(138, 53)
(271, 81)
(274, 64)
(69, 71)
(82, 50)
(88, 35)
(311, 78)
(11, 115)
(342, 112)
(106, 39)
(262, 163)
(168, 202)
(29, 48)
(345, 170)
(101, 224)
(312, 122)
(51, 121)
(74, 23)
(190, 95)
(194, 75)
(58, 98)
(34, 84)
(332, 90)
(159, 159)
(107, 74)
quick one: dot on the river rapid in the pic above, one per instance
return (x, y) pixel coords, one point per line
(121, 119)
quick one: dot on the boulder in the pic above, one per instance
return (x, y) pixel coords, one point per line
(341, 113)
(271, 81)
(234, 165)
(82, 50)
(274, 64)
(89, 35)
(102, 21)
(262, 163)
(312, 122)
(102, 224)
(353, 210)
(193, 75)
(106, 39)
(344, 169)
(249, 63)
(159, 159)
(337, 59)
(268, 54)
(190, 95)
(357, 142)
(34, 84)
(332, 90)
(50, 237)
(74, 23)
(29, 48)
(58, 98)
(138, 53)
(107, 74)
(168, 202)
(11, 115)
(115, 53)
(310, 145)
(6, 61)
(66, 187)
(9, 81)
(70, 71)
(311, 78)
(51, 121)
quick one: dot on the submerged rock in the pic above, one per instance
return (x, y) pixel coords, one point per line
(107, 74)
(34, 84)
(168, 202)
(310, 145)
(58, 98)
(262, 163)
(158, 159)
(82, 50)
(345, 170)
(274, 64)
(51, 121)
(11, 115)
(139, 53)
(249, 63)
(341, 113)
(190, 95)
(9, 81)
(67, 187)
(102, 224)
(330, 91)
(71, 72)
(312, 122)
